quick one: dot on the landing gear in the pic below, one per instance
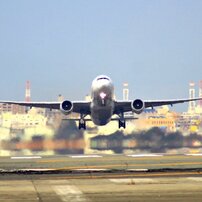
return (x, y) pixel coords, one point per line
(122, 122)
(82, 122)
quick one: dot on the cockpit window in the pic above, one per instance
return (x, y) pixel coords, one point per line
(100, 78)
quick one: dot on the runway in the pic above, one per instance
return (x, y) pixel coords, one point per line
(102, 162)
(156, 177)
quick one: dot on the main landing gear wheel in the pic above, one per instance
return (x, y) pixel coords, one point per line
(82, 124)
(122, 124)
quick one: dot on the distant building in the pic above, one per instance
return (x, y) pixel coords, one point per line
(14, 109)
(125, 91)
(192, 104)
(195, 107)
(166, 123)
(190, 122)
(9, 120)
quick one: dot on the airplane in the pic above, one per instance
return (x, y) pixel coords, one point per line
(102, 106)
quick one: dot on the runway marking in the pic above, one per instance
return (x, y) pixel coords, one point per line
(138, 170)
(144, 155)
(25, 157)
(59, 182)
(86, 156)
(69, 193)
(193, 154)
(198, 179)
(90, 169)
(136, 180)
(37, 169)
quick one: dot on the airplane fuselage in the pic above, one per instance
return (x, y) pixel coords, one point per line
(102, 105)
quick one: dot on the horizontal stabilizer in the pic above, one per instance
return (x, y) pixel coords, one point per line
(113, 119)
(126, 118)
(76, 119)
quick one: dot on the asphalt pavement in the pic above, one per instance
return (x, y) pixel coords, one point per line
(156, 177)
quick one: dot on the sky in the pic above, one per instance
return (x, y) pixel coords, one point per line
(61, 46)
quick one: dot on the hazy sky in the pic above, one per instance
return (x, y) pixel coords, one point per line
(61, 45)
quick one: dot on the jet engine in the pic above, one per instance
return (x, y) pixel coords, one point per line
(66, 107)
(137, 106)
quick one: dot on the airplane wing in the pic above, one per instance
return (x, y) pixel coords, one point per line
(125, 106)
(78, 106)
(84, 106)
(168, 102)
(49, 105)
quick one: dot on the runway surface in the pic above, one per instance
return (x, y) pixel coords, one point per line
(156, 177)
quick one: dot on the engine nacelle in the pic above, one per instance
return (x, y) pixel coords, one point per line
(66, 107)
(138, 106)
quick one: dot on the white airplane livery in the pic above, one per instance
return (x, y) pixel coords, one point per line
(102, 106)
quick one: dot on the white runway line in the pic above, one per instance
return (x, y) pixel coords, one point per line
(144, 155)
(90, 169)
(86, 156)
(193, 154)
(197, 179)
(59, 182)
(135, 180)
(37, 169)
(26, 157)
(138, 169)
(69, 193)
